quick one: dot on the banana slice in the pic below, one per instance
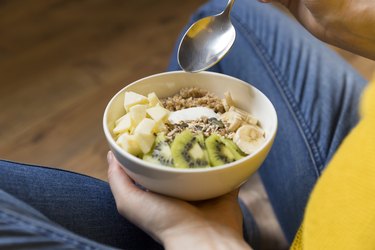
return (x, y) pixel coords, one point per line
(249, 138)
(233, 119)
(235, 122)
(245, 116)
(225, 104)
(227, 101)
(237, 117)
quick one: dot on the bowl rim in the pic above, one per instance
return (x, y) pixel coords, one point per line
(154, 166)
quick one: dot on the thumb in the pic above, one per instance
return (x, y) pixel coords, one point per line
(118, 179)
(137, 205)
(130, 199)
(125, 192)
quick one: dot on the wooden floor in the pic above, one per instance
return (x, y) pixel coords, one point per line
(61, 61)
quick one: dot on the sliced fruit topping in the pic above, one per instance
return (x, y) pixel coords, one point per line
(218, 152)
(188, 150)
(132, 98)
(146, 126)
(123, 124)
(145, 141)
(227, 101)
(249, 138)
(158, 113)
(144, 134)
(236, 151)
(129, 144)
(137, 113)
(161, 152)
(245, 116)
(154, 100)
(233, 119)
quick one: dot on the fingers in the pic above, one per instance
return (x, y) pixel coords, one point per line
(131, 201)
(118, 179)
(151, 212)
(125, 192)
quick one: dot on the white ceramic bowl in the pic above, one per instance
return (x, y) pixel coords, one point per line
(200, 183)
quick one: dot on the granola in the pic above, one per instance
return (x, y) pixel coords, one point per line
(193, 97)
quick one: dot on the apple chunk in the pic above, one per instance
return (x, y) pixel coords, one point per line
(146, 126)
(144, 134)
(144, 141)
(137, 113)
(123, 124)
(132, 98)
(158, 113)
(129, 144)
(153, 99)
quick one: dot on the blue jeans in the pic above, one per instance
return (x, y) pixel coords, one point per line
(315, 94)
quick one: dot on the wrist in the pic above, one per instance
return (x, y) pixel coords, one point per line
(205, 238)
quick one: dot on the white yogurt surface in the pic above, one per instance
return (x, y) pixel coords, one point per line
(191, 114)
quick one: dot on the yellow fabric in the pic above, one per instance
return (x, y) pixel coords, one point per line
(341, 211)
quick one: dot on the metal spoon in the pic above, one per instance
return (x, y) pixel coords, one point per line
(207, 41)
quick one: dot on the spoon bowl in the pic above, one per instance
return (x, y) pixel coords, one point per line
(207, 41)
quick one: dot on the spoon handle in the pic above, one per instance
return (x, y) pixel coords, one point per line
(228, 8)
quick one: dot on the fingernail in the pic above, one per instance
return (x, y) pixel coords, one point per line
(109, 157)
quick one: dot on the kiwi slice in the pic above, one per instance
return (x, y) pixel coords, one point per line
(236, 151)
(218, 152)
(221, 150)
(161, 152)
(189, 151)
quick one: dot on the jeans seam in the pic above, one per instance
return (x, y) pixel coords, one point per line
(46, 232)
(285, 93)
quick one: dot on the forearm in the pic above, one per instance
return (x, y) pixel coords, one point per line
(353, 28)
(344, 23)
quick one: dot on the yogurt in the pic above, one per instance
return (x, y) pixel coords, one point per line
(189, 114)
